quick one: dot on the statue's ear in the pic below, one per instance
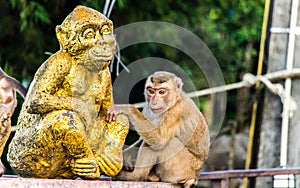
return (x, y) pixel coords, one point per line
(62, 37)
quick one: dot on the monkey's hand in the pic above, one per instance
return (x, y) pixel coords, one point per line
(112, 114)
(4, 117)
(5, 114)
(119, 109)
(86, 168)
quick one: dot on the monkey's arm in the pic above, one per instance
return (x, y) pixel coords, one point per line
(194, 130)
(198, 143)
(154, 135)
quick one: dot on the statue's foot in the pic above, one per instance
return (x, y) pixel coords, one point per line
(86, 168)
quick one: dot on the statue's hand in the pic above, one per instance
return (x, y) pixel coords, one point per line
(110, 165)
(86, 168)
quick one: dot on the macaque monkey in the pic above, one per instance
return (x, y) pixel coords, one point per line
(8, 102)
(174, 132)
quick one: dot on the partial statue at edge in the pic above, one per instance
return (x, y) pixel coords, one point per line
(9, 86)
(62, 130)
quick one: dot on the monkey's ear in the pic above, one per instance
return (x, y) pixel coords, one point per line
(2, 73)
(61, 37)
(179, 83)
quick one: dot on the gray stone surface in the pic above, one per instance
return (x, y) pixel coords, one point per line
(13, 182)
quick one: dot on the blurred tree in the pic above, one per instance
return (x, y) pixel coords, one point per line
(231, 29)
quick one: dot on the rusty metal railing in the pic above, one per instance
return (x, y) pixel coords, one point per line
(220, 179)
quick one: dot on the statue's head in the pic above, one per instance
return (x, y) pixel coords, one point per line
(87, 31)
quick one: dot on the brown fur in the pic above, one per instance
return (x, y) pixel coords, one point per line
(8, 88)
(175, 140)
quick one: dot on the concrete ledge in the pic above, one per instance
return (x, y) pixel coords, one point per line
(17, 182)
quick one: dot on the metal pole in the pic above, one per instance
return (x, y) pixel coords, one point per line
(288, 84)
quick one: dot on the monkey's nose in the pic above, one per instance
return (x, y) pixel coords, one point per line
(154, 101)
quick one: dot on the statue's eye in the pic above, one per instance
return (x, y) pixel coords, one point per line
(105, 30)
(89, 33)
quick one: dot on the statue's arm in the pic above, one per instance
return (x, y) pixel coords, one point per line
(41, 96)
(115, 132)
(111, 158)
(107, 102)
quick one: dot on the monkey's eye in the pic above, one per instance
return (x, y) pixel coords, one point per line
(105, 30)
(151, 91)
(89, 33)
(162, 91)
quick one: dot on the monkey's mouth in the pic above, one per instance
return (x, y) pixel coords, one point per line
(157, 110)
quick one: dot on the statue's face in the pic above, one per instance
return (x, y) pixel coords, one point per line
(87, 35)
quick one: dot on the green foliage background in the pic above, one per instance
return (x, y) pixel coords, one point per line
(230, 28)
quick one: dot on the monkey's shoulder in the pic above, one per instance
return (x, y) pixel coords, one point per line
(188, 105)
(191, 114)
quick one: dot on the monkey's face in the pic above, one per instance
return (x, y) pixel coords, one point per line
(161, 97)
(162, 91)
(6, 91)
(87, 36)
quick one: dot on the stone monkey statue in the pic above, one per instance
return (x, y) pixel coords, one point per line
(62, 130)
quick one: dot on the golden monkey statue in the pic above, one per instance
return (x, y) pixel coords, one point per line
(62, 130)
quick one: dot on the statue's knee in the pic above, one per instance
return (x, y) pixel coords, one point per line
(64, 120)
